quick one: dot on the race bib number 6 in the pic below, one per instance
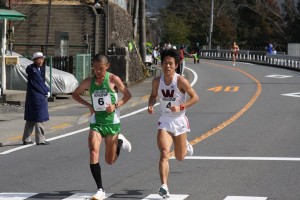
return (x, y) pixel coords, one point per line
(100, 103)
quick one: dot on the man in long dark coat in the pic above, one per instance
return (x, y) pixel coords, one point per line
(36, 104)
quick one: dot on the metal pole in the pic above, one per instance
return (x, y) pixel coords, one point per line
(51, 76)
(48, 26)
(143, 29)
(211, 23)
(135, 22)
(3, 49)
(10, 30)
(107, 27)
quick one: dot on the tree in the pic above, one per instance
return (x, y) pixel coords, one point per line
(291, 18)
(252, 23)
(297, 25)
(260, 22)
(196, 13)
(175, 30)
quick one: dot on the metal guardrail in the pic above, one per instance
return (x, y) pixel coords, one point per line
(259, 57)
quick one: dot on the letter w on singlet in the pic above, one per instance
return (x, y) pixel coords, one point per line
(167, 93)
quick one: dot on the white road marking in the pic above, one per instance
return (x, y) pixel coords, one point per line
(50, 139)
(244, 198)
(172, 197)
(296, 94)
(278, 76)
(240, 158)
(85, 196)
(16, 196)
(85, 129)
(246, 63)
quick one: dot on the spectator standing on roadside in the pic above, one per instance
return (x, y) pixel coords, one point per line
(36, 103)
(155, 55)
(235, 50)
(171, 89)
(270, 49)
(182, 53)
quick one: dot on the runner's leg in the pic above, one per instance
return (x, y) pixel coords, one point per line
(164, 142)
(94, 146)
(111, 146)
(180, 146)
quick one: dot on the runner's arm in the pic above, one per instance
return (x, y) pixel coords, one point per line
(85, 84)
(185, 86)
(153, 95)
(123, 89)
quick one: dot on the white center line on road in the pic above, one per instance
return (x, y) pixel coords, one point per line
(16, 196)
(245, 63)
(244, 198)
(240, 158)
(85, 129)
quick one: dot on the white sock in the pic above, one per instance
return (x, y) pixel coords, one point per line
(164, 186)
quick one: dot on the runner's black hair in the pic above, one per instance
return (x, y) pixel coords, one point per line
(172, 53)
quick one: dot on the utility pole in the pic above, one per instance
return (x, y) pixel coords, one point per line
(211, 23)
(142, 30)
(48, 26)
(135, 21)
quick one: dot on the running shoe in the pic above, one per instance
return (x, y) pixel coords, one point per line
(189, 149)
(100, 194)
(126, 144)
(233, 64)
(164, 191)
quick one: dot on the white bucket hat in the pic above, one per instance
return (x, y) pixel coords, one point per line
(37, 55)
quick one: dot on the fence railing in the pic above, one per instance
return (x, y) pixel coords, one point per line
(63, 63)
(118, 58)
(260, 57)
(83, 66)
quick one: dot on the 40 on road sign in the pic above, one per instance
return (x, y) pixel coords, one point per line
(224, 89)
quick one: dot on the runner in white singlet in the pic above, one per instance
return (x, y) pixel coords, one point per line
(172, 89)
(170, 96)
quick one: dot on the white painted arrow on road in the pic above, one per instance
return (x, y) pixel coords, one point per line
(278, 76)
(296, 94)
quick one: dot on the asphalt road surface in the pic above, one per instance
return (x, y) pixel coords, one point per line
(245, 132)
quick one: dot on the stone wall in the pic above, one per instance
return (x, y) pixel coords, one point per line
(121, 31)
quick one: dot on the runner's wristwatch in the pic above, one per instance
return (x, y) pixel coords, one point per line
(182, 107)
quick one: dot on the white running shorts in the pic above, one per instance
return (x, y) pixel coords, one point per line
(175, 125)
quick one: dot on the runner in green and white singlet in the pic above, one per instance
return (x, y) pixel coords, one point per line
(102, 95)
(105, 121)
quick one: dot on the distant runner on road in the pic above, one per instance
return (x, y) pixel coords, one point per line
(235, 50)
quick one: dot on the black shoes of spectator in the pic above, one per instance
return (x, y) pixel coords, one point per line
(25, 143)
